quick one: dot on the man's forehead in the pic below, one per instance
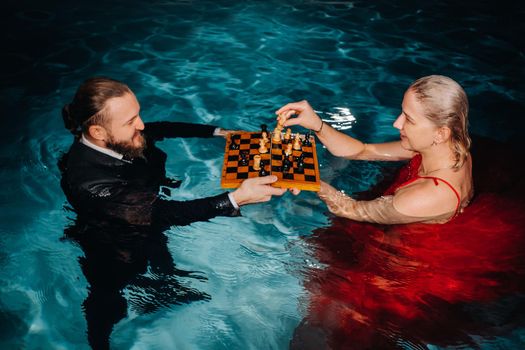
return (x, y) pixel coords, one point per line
(123, 107)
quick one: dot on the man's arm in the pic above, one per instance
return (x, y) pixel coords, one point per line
(160, 130)
(119, 204)
(166, 213)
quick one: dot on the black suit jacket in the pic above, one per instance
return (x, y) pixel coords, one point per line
(105, 190)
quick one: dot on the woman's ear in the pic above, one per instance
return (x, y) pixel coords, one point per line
(443, 134)
(98, 132)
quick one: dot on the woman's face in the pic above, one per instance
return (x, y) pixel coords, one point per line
(417, 132)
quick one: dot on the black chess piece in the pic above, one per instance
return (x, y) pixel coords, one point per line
(287, 165)
(264, 128)
(244, 159)
(234, 145)
(307, 141)
(263, 171)
(300, 165)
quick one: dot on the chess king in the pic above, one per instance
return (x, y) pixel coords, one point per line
(113, 170)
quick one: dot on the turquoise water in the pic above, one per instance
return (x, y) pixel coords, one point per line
(230, 64)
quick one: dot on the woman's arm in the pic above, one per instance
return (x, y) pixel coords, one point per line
(338, 143)
(420, 203)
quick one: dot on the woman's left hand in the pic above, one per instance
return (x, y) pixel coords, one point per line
(326, 191)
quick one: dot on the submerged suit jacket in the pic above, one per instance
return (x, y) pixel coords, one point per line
(106, 190)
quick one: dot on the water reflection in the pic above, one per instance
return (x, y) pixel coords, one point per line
(124, 266)
(405, 286)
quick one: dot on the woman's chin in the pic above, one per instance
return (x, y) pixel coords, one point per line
(405, 144)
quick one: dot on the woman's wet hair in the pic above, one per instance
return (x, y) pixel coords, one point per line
(446, 104)
(88, 105)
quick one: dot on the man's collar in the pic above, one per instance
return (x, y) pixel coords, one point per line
(104, 150)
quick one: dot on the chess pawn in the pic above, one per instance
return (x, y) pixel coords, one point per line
(288, 150)
(276, 135)
(234, 145)
(288, 135)
(244, 159)
(263, 171)
(265, 137)
(300, 164)
(287, 164)
(297, 143)
(257, 162)
(262, 146)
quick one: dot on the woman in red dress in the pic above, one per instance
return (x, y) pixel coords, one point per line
(433, 130)
(405, 286)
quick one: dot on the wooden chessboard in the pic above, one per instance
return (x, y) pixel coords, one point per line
(233, 173)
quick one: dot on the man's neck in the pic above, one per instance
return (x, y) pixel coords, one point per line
(99, 143)
(90, 142)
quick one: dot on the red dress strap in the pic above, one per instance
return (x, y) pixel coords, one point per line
(408, 174)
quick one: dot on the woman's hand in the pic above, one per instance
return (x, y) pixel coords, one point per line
(306, 116)
(327, 191)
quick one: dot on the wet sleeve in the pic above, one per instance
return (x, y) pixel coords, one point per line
(167, 212)
(380, 210)
(143, 207)
(157, 131)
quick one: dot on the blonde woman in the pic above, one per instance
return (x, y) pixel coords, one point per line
(435, 185)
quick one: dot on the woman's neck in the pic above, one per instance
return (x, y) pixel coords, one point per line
(438, 157)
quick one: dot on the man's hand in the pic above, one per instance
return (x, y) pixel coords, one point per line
(256, 190)
(223, 132)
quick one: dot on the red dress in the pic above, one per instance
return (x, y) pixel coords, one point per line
(410, 284)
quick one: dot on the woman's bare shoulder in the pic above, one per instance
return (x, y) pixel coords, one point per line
(424, 199)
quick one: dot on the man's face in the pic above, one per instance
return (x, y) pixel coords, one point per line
(125, 126)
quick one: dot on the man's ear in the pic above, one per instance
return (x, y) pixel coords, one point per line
(98, 132)
(443, 134)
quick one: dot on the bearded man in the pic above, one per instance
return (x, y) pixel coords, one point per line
(113, 171)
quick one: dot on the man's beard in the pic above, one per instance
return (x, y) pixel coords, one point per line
(127, 148)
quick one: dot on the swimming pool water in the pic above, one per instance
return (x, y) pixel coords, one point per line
(230, 64)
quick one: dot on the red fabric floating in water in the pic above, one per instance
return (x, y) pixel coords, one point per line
(383, 286)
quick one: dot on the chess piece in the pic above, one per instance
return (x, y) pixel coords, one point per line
(262, 147)
(244, 159)
(263, 171)
(264, 128)
(307, 141)
(288, 150)
(280, 125)
(288, 135)
(276, 135)
(300, 164)
(234, 145)
(256, 162)
(287, 165)
(264, 136)
(297, 143)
